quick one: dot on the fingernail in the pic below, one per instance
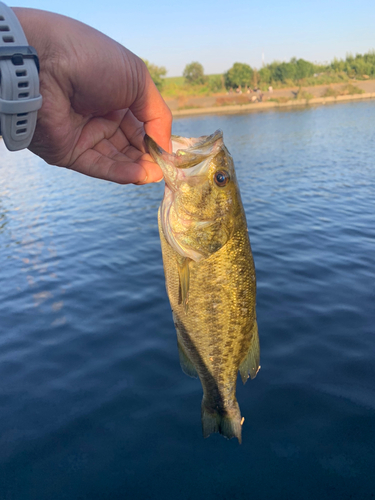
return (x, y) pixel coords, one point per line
(140, 183)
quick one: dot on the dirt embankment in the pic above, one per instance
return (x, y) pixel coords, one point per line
(276, 98)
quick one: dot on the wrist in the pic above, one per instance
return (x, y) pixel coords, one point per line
(35, 28)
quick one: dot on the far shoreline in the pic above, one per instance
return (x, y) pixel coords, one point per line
(264, 106)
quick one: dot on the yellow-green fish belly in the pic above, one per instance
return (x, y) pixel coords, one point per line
(217, 329)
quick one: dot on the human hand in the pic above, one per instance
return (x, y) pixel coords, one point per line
(98, 102)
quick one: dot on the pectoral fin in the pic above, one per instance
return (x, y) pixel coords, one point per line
(184, 275)
(250, 364)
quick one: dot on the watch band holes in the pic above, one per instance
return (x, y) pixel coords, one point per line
(23, 94)
(21, 131)
(21, 122)
(21, 73)
(23, 85)
(22, 114)
(4, 28)
(8, 39)
(2, 18)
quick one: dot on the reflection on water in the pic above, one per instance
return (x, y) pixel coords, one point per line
(3, 218)
(93, 403)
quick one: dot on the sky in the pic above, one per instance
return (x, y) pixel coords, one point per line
(220, 33)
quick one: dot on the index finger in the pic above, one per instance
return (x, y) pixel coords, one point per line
(151, 109)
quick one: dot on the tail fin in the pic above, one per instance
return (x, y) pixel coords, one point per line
(226, 422)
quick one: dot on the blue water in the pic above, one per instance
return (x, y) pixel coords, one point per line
(93, 403)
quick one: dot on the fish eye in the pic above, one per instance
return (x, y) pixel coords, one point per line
(221, 178)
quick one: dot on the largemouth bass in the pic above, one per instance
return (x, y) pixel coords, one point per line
(209, 272)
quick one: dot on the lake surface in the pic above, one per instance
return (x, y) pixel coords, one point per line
(93, 403)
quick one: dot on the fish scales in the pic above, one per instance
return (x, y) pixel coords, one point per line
(212, 292)
(216, 300)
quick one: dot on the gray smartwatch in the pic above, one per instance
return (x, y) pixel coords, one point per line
(19, 83)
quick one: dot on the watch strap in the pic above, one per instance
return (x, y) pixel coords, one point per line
(19, 83)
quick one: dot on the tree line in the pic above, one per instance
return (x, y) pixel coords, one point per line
(276, 73)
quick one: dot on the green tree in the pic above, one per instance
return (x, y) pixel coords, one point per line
(338, 65)
(157, 73)
(265, 75)
(194, 73)
(285, 71)
(238, 75)
(216, 82)
(304, 69)
(358, 66)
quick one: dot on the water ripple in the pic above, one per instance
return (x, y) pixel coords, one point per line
(93, 401)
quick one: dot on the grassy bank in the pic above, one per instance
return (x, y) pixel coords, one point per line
(272, 104)
(176, 87)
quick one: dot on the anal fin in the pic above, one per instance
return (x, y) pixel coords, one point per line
(187, 366)
(250, 364)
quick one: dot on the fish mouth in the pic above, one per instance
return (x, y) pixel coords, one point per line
(196, 145)
(190, 156)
